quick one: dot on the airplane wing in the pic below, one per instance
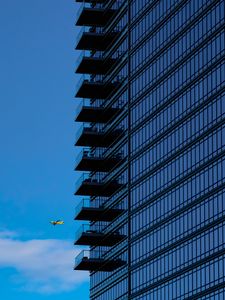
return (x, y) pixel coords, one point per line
(60, 222)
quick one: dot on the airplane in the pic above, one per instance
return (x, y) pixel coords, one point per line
(58, 222)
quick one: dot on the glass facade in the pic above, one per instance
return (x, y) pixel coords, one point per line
(157, 101)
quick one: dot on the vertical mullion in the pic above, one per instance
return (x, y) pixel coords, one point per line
(129, 150)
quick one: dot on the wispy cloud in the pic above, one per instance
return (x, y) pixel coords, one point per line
(44, 266)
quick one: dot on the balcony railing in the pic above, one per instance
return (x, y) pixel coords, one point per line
(97, 261)
(96, 114)
(95, 236)
(93, 137)
(94, 16)
(95, 65)
(88, 161)
(87, 186)
(84, 211)
(97, 89)
(90, 38)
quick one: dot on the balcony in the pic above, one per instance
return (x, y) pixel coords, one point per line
(96, 66)
(95, 236)
(96, 89)
(92, 114)
(86, 186)
(96, 261)
(87, 161)
(90, 39)
(85, 212)
(92, 137)
(95, 16)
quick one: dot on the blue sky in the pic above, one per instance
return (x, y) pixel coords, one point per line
(37, 156)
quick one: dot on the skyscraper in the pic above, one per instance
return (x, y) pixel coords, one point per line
(152, 90)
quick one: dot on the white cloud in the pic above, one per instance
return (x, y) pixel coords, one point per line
(44, 266)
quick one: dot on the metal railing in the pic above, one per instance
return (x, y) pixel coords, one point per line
(95, 255)
(86, 128)
(85, 4)
(86, 228)
(86, 102)
(84, 153)
(87, 203)
(117, 79)
(86, 78)
(85, 177)
(84, 203)
(89, 153)
(97, 30)
(85, 255)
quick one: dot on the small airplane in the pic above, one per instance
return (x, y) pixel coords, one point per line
(58, 222)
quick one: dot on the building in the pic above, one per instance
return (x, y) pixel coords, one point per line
(152, 90)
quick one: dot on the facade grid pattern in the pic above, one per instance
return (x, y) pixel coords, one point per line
(169, 140)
